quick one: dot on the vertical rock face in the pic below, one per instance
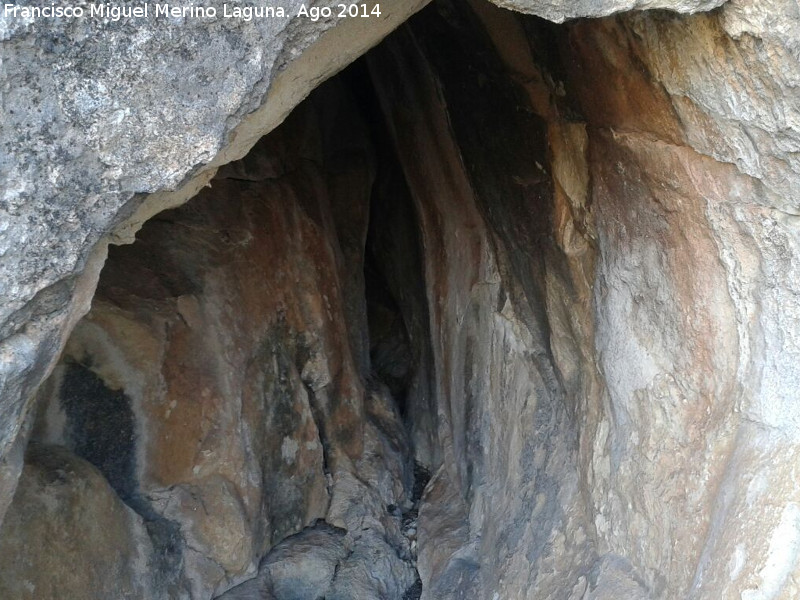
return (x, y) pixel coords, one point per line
(507, 442)
(629, 254)
(692, 233)
(555, 265)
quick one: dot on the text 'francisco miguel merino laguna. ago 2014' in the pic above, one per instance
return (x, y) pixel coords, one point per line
(113, 12)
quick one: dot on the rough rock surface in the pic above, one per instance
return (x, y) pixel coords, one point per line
(559, 11)
(68, 535)
(508, 445)
(215, 384)
(648, 292)
(96, 115)
(586, 243)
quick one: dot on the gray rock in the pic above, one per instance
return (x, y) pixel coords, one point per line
(299, 568)
(327, 562)
(559, 11)
(69, 535)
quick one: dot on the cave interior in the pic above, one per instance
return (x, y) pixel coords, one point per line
(358, 364)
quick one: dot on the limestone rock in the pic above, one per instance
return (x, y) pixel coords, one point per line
(214, 382)
(111, 111)
(570, 250)
(68, 535)
(628, 293)
(562, 10)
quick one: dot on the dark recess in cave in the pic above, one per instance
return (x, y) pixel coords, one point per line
(100, 426)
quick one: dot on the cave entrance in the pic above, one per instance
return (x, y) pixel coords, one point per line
(256, 370)
(271, 372)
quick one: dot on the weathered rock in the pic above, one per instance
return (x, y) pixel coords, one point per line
(360, 552)
(446, 560)
(68, 535)
(215, 383)
(652, 359)
(113, 110)
(327, 562)
(562, 10)
(399, 319)
(585, 239)
(686, 301)
(300, 567)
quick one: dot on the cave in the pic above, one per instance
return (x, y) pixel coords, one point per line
(489, 314)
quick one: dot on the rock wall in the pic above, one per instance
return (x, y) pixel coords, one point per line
(507, 441)
(580, 247)
(216, 382)
(126, 119)
(569, 188)
(692, 233)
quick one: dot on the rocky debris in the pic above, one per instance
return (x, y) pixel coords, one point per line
(410, 525)
(323, 561)
(415, 591)
(327, 562)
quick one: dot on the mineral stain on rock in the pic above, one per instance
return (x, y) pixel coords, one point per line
(100, 427)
